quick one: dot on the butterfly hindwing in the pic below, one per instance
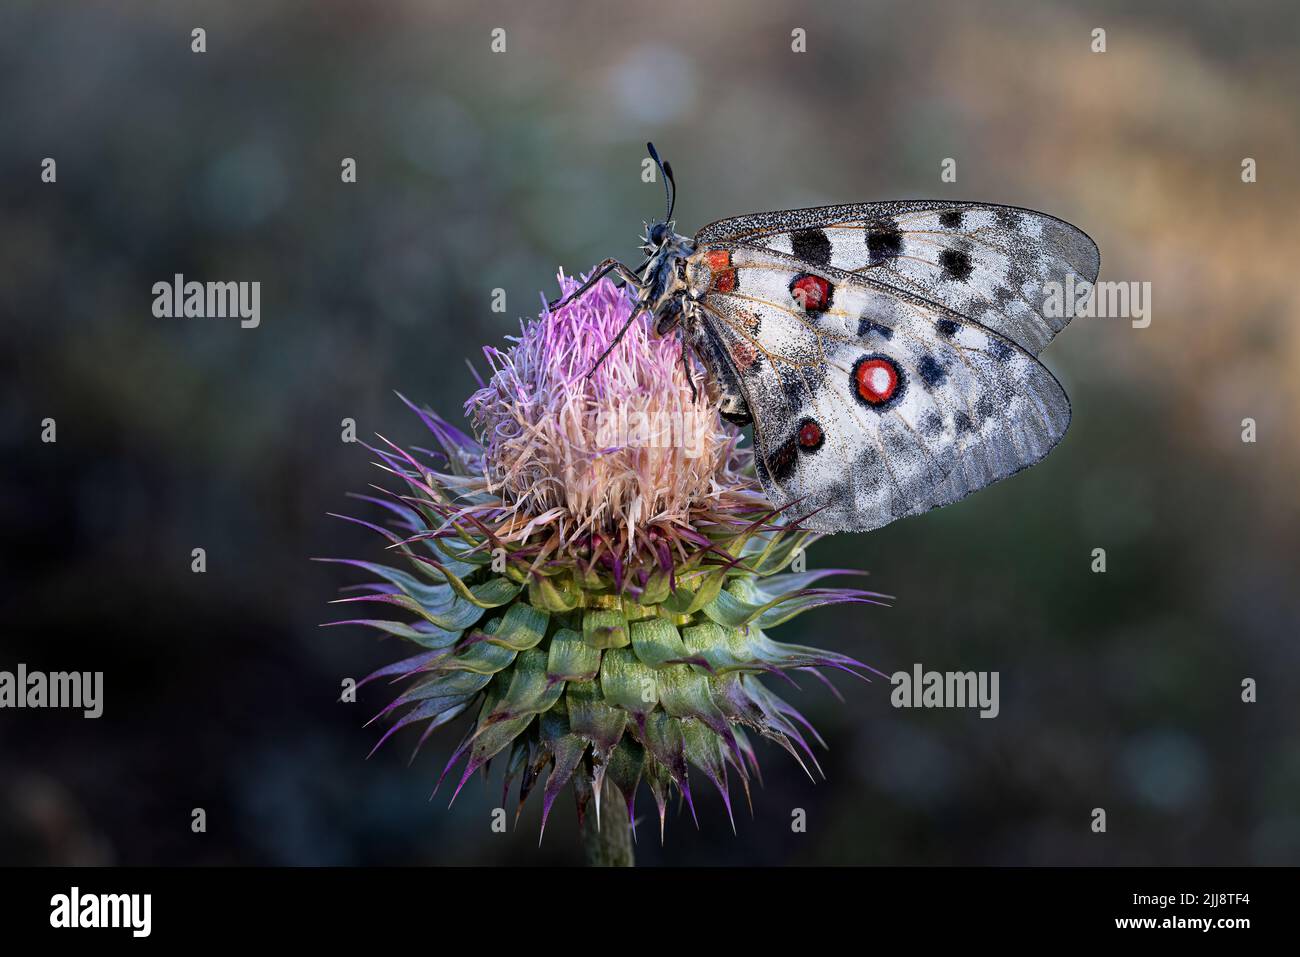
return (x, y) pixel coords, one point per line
(991, 263)
(869, 403)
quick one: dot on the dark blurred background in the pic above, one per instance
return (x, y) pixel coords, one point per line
(475, 171)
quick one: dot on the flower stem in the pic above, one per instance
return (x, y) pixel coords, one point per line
(611, 846)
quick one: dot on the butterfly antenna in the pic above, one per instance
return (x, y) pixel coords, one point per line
(670, 188)
(672, 203)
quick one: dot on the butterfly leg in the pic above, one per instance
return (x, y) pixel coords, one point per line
(636, 310)
(601, 271)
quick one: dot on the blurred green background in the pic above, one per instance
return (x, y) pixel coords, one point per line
(475, 171)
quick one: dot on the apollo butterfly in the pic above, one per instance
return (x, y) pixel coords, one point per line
(885, 353)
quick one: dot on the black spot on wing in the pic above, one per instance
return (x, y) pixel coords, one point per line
(956, 264)
(796, 393)
(812, 246)
(868, 327)
(1001, 351)
(932, 425)
(884, 241)
(947, 328)
(963, 423)
(783, 460)
(931, 372)
(951, 219)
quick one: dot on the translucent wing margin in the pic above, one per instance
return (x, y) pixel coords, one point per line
(994, 264)
(870, 403)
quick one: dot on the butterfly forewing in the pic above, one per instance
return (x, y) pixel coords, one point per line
(990, 263)
(871, 403)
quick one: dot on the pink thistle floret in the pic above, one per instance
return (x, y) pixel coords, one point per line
(608, 446)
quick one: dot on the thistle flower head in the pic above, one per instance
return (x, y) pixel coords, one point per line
(590, 588)
(590, 442)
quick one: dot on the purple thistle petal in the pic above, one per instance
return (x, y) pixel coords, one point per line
(402, 668)
(827, 682)
(362, 522)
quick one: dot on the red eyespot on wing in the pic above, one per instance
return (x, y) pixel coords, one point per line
(724, 276)
(876, 380)
(810, 435)
(813, 293)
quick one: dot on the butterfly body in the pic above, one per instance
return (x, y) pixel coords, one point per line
(885, 353)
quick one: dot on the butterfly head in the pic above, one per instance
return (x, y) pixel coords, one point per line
(660, 235)
(657, 235)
